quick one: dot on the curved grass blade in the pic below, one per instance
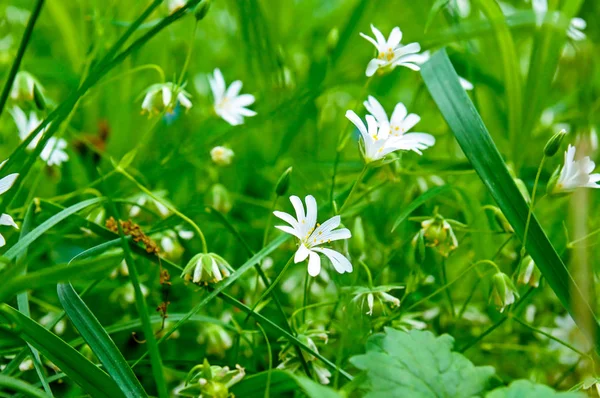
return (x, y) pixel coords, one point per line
(11, 383)
(99, 341)
(91, 378)
(462, 117)
(430, 194)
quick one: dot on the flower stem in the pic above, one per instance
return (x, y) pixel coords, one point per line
(269, 219)
(531, 205)
(306, 293)
(551, 337)
(189, 55)
(274, 283)
(448, 294)
(354, 188)
(20, 53)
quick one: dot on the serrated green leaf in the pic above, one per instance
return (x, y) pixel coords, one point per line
(466, 124)
(419, 365)
(527, 389)
(99, 341)
(91, 378)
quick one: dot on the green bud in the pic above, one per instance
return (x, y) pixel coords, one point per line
(205, 268)
(529, 274)
(201, 9)
(523, 189)
(284, 182)
(501, 219)
(219, 198)
(332, 39)
(503, 291)
(358, 235)
(553, 144)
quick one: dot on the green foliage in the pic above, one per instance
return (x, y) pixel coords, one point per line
(418, 364)
(527, 389)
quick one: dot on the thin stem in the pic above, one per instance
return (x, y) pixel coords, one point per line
(307, 281)
(354, 188)
(189, 54)
(167, 205)
(20, 53)
(448, 294)
(270, 355)
(531, 205)
(551, 337)
(269, 219)
(272, 286)
(368, 271)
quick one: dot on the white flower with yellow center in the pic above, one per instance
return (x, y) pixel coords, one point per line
(159, 97)
(229, 104)
(576, 174)
(5, 184)
(221, 156)
(390, 53)
(312, 235)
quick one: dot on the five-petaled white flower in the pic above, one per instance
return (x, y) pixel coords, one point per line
(382, 136)
(312, 235)
(228, 103)
(54, 150)
(159, 97)
(576, 174)
(390, 53)
(5, 184)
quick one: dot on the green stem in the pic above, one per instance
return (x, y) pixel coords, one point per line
(20, 53)
(269, 219)
(275, 282)
(167, 205)
(306, 293)
(270, 356)
(189, 54)
(354, 188)
(448, 294)
(531, 205)
(548, 335)
(368, 271)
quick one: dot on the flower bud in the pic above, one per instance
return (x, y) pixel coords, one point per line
(201, 9)
(26, 88)
(503, 291)
(501, 219)
(221, 156)
(523, 189)
(211, 381)
(206, 268)
(358, 235)
(332, 39)
(284, 182)
(219, 198)
(553, 144)
(529, 274)
(159, 97)
(438, 233)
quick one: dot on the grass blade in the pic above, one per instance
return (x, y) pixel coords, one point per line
(20, 386)
(99, 341)
(462, 117)
(431, 193)
(91, 378)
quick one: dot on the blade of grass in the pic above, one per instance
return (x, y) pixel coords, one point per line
(23, 299)
(99, 341)
(11, 383)
(430, 194)
(91, 378)
(462, 117)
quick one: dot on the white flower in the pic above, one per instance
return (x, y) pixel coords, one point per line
(26, 88)
(5, 184)
(174, 5)
(26, 125)
(369, 295)
(390, 52)
(54, 152)
(384, 136)
(160, 97)
(228, 103)
(576, 173)
(144, 199)
(312, 235)
(576, 25)
(221, 155)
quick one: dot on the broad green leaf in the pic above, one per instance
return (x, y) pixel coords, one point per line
(91, 378)
(478, 146)
(312, 389)
(99, 341)
(433, 192)
(527, 389)
(419, 365)
(16, 385)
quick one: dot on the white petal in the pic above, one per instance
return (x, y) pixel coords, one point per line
(246, 112)
(234, 89)
(395, 37)
(311, 213)
(5, 219)
(338, 234)
(353, 117)
(217, 84)
(338, 260)
(327, 226)
(314, 264)
(374, 108)
(379, 36)
(184, 101)
(398, 115)
(288, 218)
(372, 66)
(167, 95)
(301, 254)
(369, 38)
(299, 208)
(2, 240)
(409, 122)
(7, 182)
(243, 100)
(290, 230)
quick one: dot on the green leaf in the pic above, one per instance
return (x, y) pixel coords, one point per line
(91, 378)
(527, 389)
(419, 365)
(253, 386)
(99, 341)
(434, 11)
(10, 383)
(431, 193)
(315, 390)
(478, 146)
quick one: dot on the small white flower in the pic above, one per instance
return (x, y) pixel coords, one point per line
(174, 5)
(221, 156)
(26, 88)
(26, 365)
(159, 97)
(382, 136)
(143, 199)
(312, 235)
(390, 53)
(228, 103)
(5, 184)
(369, 295)
(576, 173)
(26, 125)
(54, 152)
